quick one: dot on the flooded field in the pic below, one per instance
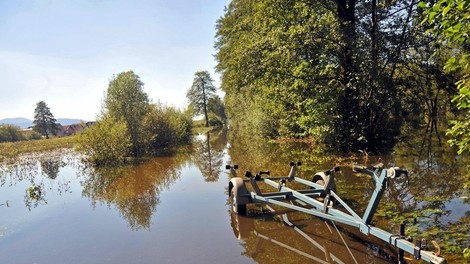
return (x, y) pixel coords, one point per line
(174, 209)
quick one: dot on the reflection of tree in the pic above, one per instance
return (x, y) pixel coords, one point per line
(218, 140)
(434, 195)
(310, 240)
(254, 153)
(34, 196)
(50, 166)
(29, 168)
(134, 190)
(209, 156)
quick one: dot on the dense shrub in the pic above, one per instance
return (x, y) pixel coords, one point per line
(215, 121)
(107, 142)
(166, 127)
(10, 133)
(33, 135)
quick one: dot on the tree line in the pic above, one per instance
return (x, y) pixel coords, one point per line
(129, 124)
(353, 74)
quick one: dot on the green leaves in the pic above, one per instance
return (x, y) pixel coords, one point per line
(166, 127)
(451, 23)
(126, 101)
(466, 253)
(200, 93)
(107, 142)
(273, 56)
(10, 133)
(131, 126)
(422, 5)
(44, 121)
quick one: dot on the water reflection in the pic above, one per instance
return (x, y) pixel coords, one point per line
(435, 197)
(43, 183)
(133, 190)
(291, 238)
(208, 154)
(41, 172)
(50, 166)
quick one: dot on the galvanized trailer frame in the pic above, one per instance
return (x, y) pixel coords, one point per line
(323, 186)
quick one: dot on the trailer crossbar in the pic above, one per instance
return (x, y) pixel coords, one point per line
(320, 198)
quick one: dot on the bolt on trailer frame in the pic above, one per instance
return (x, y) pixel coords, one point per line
(321, 198)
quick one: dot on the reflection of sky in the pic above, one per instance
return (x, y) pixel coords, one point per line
(16, 217)
(190, 225)
(458, 208)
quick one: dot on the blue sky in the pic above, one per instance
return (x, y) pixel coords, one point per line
(65, 51)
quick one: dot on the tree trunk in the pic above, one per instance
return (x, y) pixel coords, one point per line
(45, 130)
(374, 44)
(349, 98)
(204, 99)
(347, 25)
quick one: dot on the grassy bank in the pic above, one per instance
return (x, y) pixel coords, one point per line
(11, 150)
(199, 127)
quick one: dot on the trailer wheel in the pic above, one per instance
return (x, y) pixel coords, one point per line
(321, 178)
(320, 182)
(236, 208)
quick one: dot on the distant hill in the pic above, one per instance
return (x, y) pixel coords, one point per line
(18, 121)
(25, 123)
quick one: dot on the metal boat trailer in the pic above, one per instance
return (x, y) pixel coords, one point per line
(320, 200)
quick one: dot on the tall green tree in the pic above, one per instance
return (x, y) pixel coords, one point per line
(327, 69)
(450, 23)
(201, 91)
(126, 101)
(44, 121)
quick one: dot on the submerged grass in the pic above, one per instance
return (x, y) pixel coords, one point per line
(11, 150)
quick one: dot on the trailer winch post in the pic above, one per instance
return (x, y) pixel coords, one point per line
(376, 196)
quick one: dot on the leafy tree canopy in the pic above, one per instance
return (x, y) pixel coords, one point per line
(131, 126)
(126, 101)
(44, 121)
(353, 74)
(200, 93)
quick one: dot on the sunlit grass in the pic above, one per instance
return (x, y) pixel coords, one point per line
(11, 150)
(199, 127)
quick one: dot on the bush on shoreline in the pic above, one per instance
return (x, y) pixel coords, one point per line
(11, 133)
(106, 143)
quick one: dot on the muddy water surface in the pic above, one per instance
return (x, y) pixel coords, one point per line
(174, 209)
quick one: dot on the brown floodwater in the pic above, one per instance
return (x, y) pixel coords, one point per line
(174, 209)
